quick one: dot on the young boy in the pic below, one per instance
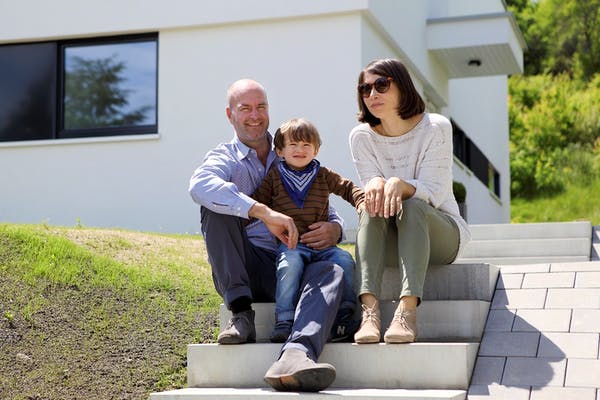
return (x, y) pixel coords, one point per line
(299, 187)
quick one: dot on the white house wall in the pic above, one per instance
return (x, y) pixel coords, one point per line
(454, 8)
(308, 65)
(307, 54)
(479, 106)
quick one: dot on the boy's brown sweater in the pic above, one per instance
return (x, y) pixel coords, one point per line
(272, 193)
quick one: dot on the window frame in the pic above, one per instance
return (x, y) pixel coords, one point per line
(61, 132)
(53, 130)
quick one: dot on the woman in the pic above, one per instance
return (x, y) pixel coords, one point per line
(403, 156)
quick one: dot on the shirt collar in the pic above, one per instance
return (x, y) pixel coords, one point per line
(243, 150)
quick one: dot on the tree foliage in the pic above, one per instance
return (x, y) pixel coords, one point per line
(553, 109)
(554, 133)
(563, 36)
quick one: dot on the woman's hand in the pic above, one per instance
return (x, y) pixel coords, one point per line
(374, 196)
(392, 197)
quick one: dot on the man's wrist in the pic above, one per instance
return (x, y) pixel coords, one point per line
(258, 210)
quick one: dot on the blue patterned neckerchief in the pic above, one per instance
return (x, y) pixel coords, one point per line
(297, 183)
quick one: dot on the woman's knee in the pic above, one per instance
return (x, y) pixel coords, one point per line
(415, 205)
(414, 210)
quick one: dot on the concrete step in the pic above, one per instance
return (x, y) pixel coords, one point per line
(265, 394)
(475, 281)
(532, 243)
(541, 230)
(451, 320)
(524, 260)
(485, 249)
(407, 366)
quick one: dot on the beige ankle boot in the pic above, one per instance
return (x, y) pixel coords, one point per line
(403, 328)
(370, 326)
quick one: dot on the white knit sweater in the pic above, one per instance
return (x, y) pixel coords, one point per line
(422, 157)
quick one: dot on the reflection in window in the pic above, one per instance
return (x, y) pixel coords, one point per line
(110, 85)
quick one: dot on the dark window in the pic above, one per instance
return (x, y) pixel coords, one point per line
(27, 91)
(79, 88)
(470, 155)
(478, 162)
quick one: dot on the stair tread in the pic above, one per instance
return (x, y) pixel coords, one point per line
(531, 230)
(266, 393)
(523, 259)
(528, 247)
(448, 365)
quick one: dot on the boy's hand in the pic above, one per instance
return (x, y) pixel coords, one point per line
(322, 235)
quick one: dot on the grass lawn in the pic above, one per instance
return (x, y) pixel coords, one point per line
(578, 202)
(99, 314)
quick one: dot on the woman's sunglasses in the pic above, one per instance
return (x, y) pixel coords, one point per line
(381, 85)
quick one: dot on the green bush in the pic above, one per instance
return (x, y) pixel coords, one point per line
(460, 192)
(551, 117)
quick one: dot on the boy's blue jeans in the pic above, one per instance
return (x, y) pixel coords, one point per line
(290, 266)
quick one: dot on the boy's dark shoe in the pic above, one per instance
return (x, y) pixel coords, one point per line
(344, 326)
(295, 372)
(240, 329)
(281, 331)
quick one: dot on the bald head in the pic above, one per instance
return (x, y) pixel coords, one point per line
(242, 86)
(248, 112)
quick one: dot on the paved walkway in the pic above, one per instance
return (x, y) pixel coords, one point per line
(542, 336)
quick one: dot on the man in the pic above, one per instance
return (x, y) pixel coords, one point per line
(240, 240)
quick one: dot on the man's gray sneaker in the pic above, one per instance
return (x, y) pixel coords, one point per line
(295, 372)
(240, 329)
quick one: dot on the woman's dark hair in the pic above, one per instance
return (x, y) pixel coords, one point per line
(410, 102)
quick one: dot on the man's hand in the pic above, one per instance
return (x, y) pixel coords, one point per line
(280, 225)
(322, 235)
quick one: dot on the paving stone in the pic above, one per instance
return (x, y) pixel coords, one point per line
(500, 320)
(503, 344)
(527, 371)
(524, 268)
(497, 392)
(562, 393)
(587, 279)
(542, 321)
(576, 266)
(583, 373)
(488, 370)
(509, 281)
(569, 345)
(585, 320)
(519, 298)
(573, 298)
(549, 280)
